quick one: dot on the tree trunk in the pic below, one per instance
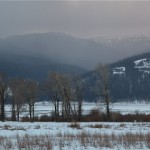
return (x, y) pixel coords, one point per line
(30, 112)
(2, 107)
(55, 115)
(18, 113)
(57, 109)
(80, 111)
(13, 117)
(33, 113)
(108, 111)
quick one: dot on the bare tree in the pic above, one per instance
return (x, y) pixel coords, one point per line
(61, 90)
(17, 87)
(31, 89)
(52, 90)
(78, 95)
(3, 93)
(12, 85)
(103, 74)
(68, 99)
(67, 91)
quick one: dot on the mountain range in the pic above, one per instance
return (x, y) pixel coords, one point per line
(127, 45)
(61, 48)
(33, 67)
(129, 79)
(32, 56)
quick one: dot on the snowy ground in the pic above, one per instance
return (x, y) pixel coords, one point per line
(60, 136)
(46, 108)
(85, 136)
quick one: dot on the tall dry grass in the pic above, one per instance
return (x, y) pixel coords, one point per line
(84, 139)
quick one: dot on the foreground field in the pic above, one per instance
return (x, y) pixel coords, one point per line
(77, 136)
(74, 136)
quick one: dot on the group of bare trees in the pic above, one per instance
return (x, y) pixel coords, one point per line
(65, 92)
(19, 92)
(3, 89)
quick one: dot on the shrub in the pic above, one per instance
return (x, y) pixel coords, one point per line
(45, 118)
(99, 126)
(75, 125)
(25, 119)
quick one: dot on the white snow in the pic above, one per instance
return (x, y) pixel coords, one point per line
(57, 132)
(119, 70)
(143, 65)
(137, 62)
(46, 108)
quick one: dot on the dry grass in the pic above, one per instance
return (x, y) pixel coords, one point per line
(8, 127)
(34, 142)
(84, 139)
(37, 126)
(100, 126)
(75, 125)
(122, 125)
(95, 115)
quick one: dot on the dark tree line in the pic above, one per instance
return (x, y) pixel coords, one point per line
(19, 92)
(64, 91)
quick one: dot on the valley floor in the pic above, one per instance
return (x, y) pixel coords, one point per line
(46, 108)
(77, 136)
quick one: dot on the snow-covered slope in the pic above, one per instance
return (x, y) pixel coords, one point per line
(129, 79)
(143, 65)
(119, 70)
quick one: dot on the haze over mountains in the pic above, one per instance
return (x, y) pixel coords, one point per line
(128, 45)
(66, 49)
(32, 56)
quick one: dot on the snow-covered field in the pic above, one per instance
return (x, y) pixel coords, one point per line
(61, 136)
(77, 136)
(46, 108)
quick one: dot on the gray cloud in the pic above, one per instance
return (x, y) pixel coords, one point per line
(84, 19)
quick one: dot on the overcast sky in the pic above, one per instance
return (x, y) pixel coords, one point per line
(82, 19)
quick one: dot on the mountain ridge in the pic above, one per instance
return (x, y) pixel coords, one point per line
(129, 79)
(60, 47)
(35, 68)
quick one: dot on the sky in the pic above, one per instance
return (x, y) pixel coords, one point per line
(78, 18)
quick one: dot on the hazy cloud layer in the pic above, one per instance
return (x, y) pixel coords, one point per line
(84, 19)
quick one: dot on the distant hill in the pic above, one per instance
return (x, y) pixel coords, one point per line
(133, 81)
(60, 48)
(32, 56)
(129, 79)
(32, 67)
(127, 45)
(66, 49)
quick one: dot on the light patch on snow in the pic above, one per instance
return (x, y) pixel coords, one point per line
(119, 70)
(137, 62)
(143, 65)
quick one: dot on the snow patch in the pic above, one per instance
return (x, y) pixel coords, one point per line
(143, 65)
(119, 70)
